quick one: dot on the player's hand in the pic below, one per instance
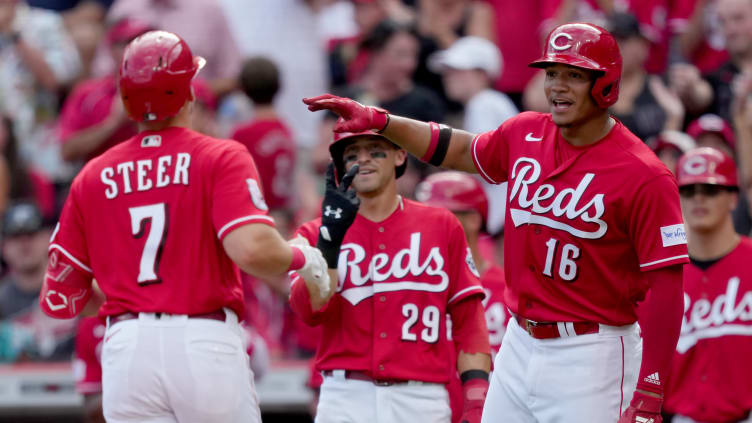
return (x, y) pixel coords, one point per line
(474, 395)
(315, 269)
(355, 116)
(643, 409)
(338, 211)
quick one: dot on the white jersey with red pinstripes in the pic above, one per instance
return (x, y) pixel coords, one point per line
(396, 279)
(583, 224)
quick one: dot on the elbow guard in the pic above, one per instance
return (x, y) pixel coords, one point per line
(66, 288)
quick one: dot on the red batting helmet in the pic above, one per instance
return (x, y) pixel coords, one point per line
(586, 46)
(456, 191)
(342, 140)
(706, 165)
(156, 74)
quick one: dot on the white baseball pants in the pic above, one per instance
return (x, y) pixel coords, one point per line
(173, 369)
(358, 401)
(584, 378)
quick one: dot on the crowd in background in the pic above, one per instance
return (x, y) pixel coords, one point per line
(686, 79)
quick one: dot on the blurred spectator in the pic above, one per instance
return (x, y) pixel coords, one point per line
(711, 130)
(202, 24)
(700, 38)
(741, 107)
(286, 32)
(469, 68)
(67, 5)
(645, 106)
(670, 145)
(266, 136)
(37, 59)
(736, 22)
(93, 118)
(26, 333)
(440, 23)
(519, 34)
(204, 117)
(24, 182)
(86, 25)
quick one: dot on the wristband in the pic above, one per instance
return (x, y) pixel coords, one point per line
(473, 374)
(298, 259)
(435, 130)
(439, 144)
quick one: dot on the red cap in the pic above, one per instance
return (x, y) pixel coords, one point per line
(456, 191)
(337, 148)
(706, 166)
(714, 124)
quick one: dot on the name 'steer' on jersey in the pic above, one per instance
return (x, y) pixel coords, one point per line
(143, 175)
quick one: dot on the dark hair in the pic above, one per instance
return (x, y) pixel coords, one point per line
(20, 183)
(383, 32)
(259, 79)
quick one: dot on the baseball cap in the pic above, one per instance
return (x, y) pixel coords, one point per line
(22, 219)
(469, 53)
(673, 139)
(625, 25)
(710, 123)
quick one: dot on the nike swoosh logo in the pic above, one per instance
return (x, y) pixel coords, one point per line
(530, 137)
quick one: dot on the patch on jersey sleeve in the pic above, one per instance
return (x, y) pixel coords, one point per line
(256, 196)
(471, 263)
(673, 235)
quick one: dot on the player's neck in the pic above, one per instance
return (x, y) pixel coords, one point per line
(589, 131)
(713, 244)
(264, 112)
(181, 120)
(380, 206)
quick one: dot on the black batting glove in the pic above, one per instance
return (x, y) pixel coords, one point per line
(338, 211)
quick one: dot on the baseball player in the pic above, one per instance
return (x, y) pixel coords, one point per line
(464, 196)
(592, 223)
(399, 269)
(710, 379)
(163, 221)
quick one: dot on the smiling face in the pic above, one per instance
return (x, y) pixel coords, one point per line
(377, 158)
(567, 89)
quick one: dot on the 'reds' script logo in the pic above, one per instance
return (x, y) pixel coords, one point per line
(564, 204)
(401, 266)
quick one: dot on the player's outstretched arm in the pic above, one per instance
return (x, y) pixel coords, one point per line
(432, 143)
(660, 321)
(259, 250)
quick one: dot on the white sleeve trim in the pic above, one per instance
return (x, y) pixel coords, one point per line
(459, 294)
(243, 219)
(664, 260)
(70, 256)
(477, 162)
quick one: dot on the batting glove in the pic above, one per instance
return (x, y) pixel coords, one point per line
(338, 211)
(314, 269)
(355, 116)
(474, 392)
(643, 409)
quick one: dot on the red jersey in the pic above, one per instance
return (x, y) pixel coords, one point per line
(710, 52)
(273, 148)
(89, 104)
(87, 363)
(578, 236)
(711, 373)
(396, 279)
(147, 219)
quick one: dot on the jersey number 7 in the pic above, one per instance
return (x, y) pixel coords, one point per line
(156, 214)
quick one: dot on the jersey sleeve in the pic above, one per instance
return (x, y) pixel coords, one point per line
(655, 225)
(69, 237)
(464, 277)
(490, 153)
(237, 198)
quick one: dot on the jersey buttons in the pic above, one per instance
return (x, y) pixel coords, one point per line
(383, 335)
(381, 367)
(382, 247)
(381, 229)
(382, 298)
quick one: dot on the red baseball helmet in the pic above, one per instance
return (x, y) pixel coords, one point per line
(342, 140)
(706, 166)
(456, 191)
(586, 46)
(156, 74)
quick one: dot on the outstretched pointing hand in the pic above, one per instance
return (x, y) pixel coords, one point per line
(355, 116)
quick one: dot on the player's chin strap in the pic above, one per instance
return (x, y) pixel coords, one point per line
(474, 390)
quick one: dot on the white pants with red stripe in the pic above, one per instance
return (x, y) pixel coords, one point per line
(171, 369)
(358, 401)
(582, 378)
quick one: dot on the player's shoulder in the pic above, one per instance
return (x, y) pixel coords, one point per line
(529, 119)
(637, 155)
(309, 230)
(745, 244)
(427, 213)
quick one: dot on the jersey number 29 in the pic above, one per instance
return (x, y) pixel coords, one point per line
(431, 318)
(156, 214)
